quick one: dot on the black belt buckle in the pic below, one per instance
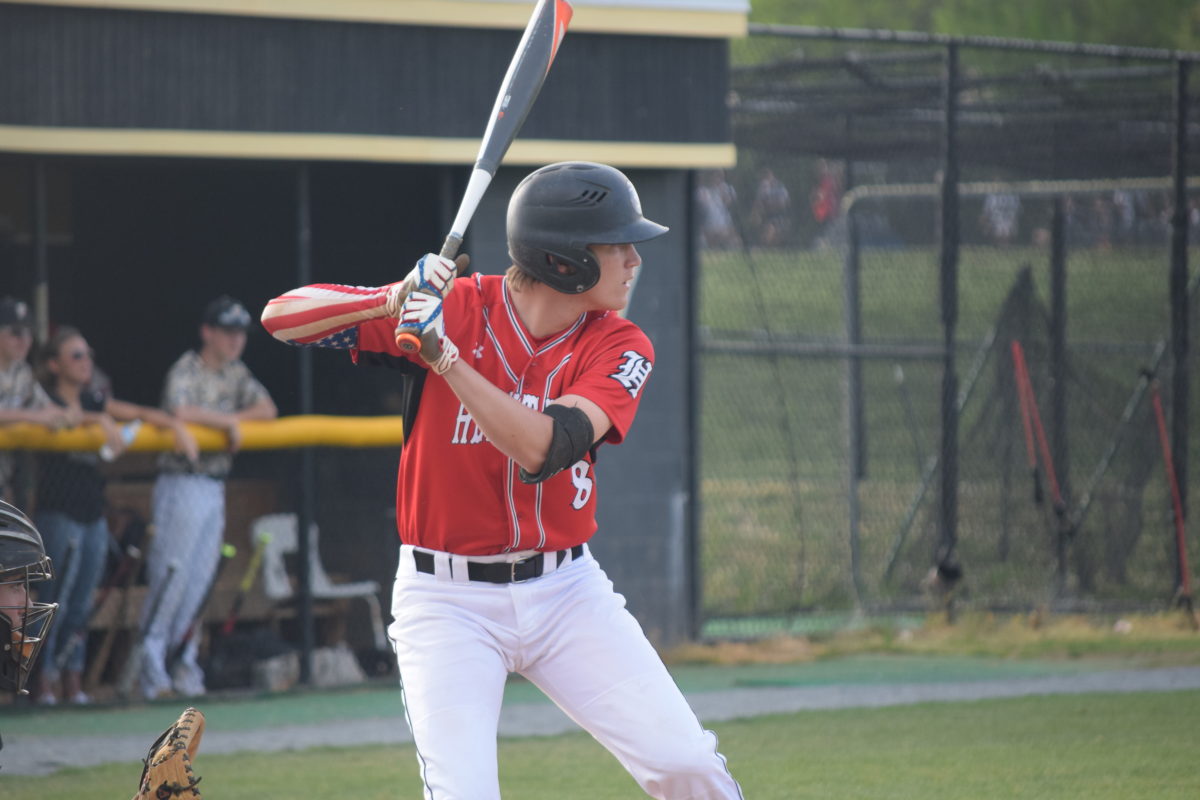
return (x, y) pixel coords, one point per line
(535, 562)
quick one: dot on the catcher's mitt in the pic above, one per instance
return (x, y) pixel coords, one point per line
(168, 766)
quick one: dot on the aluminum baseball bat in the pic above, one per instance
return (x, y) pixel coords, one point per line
(526, 73)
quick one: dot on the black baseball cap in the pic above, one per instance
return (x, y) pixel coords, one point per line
(225, 312)
(15, 313)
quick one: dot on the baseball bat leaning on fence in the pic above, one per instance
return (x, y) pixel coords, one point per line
(1063, 521)
(261, 540)
(1183, 593)
(124, 576)
(1030, 409)
(1019, 378)
(133, 662)
(526, 74)
(228, 551)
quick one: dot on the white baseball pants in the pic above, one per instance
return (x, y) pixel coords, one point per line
(189, 523)
(567, 632)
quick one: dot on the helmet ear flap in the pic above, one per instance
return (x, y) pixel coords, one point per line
(560, 267)
(567, 270)
(571, 270)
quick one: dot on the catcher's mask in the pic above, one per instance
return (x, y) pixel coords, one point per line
(23, 622)
(558, 210)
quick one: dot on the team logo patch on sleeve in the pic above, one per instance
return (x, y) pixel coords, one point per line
(634, 371)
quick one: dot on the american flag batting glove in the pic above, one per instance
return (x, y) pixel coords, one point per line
(422, 314)
(432, 275)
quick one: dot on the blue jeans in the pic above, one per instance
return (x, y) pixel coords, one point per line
(78, 551)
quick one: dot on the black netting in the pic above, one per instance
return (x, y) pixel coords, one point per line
(837, 294)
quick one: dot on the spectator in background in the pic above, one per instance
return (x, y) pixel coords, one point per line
(21, 398)
(1102, 221)
(717, 198)
(71, 505)
(826, 196)
(770, 213)
(1124, 217)
(1001, 211)
(213, 387)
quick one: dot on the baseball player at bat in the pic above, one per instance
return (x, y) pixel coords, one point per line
(527, 374)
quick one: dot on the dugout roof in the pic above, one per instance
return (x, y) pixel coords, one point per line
(1053, 110)
(637, 83)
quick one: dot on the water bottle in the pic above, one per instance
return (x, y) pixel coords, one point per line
(128, 432)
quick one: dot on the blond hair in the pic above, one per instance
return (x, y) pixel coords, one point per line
(517, 279)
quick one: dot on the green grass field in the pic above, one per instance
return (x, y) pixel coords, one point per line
(1093, 747)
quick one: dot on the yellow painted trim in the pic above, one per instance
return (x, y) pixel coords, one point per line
(299, 431)
(343, 147)
(452, 13)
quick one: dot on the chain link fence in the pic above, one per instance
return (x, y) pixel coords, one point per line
(861, 327)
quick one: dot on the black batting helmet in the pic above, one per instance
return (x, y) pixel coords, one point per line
(23, 623)
(557, 211)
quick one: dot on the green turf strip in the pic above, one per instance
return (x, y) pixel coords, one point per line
(375, 702)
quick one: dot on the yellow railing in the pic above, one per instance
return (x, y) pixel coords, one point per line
(311, 430)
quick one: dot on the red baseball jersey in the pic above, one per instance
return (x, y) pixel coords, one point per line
(456, 492)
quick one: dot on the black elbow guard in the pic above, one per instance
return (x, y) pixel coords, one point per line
(570, 441)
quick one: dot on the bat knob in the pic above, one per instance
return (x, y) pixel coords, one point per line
(408, 341)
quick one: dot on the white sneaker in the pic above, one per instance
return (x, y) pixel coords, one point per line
(189, 680)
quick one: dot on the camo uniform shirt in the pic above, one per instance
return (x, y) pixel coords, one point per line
(18, 389)
(190, 382)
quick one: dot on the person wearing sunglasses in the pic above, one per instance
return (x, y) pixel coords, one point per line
(71, 503)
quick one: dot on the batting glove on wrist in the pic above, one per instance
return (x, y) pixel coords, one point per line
(432, 275)
(422, 314)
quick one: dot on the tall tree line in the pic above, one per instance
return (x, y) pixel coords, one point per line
(1171, 24)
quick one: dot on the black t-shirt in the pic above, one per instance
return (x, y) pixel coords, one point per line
(71, 482)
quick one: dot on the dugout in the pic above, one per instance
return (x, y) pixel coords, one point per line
(156, 154)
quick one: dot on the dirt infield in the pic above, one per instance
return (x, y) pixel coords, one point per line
(101, 735)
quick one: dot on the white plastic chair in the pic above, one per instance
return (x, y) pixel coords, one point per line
(281, 532)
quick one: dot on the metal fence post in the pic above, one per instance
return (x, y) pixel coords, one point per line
(308, 489)
(949, 219)
(1179, 296)
(41, 252)
(1058, 382)
(691, 308)
(855, 468)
